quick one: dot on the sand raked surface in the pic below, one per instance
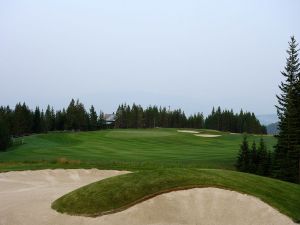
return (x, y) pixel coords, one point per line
(208, 135)
(196, 133)
(188, 131)
(26, 197)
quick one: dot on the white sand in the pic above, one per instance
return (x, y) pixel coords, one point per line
(25, 198)
(207, 135)
(188, 131)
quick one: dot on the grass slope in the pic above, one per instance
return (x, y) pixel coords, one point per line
(118, 193)
(129, 149)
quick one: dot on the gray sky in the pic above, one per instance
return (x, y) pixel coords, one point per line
(188, 54)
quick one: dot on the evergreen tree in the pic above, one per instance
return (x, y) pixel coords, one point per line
(163, 117)
(101, 121)
(120, 117)
(5, 139)
(136, 118)
(60, 120)
(93, 118)
(87, 122)
(257, 160)
(37, 120)
(48, 119)
(22, 120)
(7, 116)
(71, 117)
(81, 116)
(264, 159)
(243, 159)
(76, 116)
(287, 150)
(43, 122)
(254, 159)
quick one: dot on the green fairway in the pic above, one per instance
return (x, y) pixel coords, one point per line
(126, 149)
(120, 192)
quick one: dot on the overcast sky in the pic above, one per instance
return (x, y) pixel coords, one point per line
(188, 54)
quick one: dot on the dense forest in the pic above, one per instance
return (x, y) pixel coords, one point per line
(23, 121)
(137, 117)
(153, 116)
(244, 122)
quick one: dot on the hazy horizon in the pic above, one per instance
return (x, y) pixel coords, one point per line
(190, 54)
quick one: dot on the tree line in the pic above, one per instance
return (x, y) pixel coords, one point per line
(136, 116)
(285, 162)
(227, 120)
(254, 159)
(23, 121)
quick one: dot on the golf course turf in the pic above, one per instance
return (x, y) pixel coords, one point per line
(127, 149)
(120, 192)
(161, 160)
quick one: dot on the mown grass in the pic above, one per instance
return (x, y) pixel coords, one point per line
(163, 159)
(129, 149)
(120, 192)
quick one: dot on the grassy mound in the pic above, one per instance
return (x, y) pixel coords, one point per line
(118, 193)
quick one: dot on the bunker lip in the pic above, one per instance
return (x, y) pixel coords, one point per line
(188, 131)
(172, 190)
(208, 135)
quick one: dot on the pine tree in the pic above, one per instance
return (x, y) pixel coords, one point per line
(87, 122)
(48, 119)
(7, 116)
(101, 121)
(121, 118)
(253, 163)
(80, 116)
(264, 159)
(36, 127)
(43, 122)
(60, 120)
(287, 150)
(5, 139)
(22, 120)
(93, 118)
(243, 159)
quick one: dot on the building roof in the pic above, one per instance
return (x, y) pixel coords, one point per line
(110, 117)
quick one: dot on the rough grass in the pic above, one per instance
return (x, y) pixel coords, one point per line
(130, 149)
(120, 192)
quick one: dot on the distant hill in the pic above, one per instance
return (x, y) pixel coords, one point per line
(267, 119)
(272, 128)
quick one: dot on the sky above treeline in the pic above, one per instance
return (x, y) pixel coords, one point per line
(184, 54)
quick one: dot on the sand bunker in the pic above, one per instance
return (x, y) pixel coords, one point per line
(207, 135)
(26, 198)
(188, 131)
